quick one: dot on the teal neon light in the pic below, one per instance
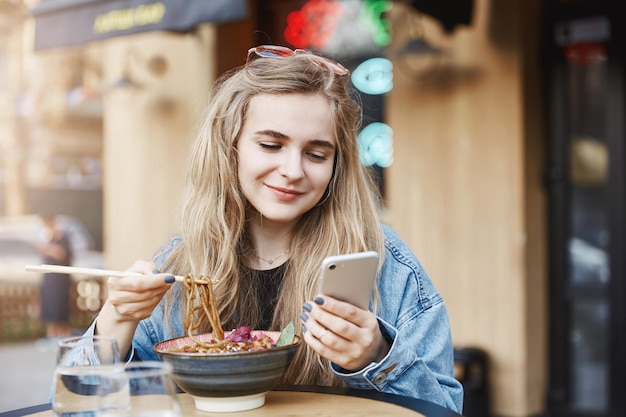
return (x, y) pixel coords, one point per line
(376, 145)
(373, 76)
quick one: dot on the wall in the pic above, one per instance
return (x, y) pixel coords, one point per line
(464, 189)
(146, 140)
(146, 131)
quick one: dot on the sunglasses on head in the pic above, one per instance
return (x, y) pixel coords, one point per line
(275, 51)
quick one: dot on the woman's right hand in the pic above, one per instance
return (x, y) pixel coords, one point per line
(134, 297)
(131, 299)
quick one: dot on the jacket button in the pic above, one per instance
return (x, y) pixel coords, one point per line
(379, 378)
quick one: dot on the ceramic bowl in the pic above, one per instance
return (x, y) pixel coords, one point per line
(227, 382)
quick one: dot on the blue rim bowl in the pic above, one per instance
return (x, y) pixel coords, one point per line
(227, 378)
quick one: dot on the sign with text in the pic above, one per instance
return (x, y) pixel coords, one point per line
(61, 23)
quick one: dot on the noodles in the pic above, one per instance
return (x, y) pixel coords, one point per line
(201, 306)
(229, 346)
(202, 288)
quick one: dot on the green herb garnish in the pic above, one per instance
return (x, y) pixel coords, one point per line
(287, 335)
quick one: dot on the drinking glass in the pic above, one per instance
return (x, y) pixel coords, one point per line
(81, 363)
(141, 389)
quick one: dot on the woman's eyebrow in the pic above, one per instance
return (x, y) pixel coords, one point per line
(272, 133)
(322, 143)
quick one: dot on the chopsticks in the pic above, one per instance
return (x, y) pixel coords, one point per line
(87, 271)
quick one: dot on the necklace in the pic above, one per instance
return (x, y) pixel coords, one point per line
(271, 261)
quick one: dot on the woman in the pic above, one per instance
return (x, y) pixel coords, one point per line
(274, 186)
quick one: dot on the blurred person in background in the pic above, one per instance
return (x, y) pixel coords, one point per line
(55, 287)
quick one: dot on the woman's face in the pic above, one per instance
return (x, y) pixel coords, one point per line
(286, 153)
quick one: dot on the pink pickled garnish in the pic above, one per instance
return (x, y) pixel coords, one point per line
(240, 334)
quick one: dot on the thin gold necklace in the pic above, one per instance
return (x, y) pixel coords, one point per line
(271, 261)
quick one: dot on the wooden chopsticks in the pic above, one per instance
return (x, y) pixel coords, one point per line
(87, 271)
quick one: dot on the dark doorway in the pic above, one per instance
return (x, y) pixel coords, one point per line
(587, 185)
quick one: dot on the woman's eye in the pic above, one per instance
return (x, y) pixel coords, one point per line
(317, 156)
(269, 146)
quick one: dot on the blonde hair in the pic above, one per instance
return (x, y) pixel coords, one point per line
(215, 238)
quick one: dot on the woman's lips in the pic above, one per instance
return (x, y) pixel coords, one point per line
(284, 193)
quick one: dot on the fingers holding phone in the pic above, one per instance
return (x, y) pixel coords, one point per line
(342, 333)
(338, 324)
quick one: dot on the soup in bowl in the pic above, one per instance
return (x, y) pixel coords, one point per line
(230, 379)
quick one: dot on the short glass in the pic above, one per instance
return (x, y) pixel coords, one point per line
(81, 363)
(141, 389)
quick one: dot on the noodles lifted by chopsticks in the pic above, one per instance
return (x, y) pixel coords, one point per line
(201, 299)
(202, 289)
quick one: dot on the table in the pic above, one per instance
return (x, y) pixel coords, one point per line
(305, 400)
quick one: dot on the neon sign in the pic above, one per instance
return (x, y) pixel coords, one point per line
(372, 17)
(373, 76)
(314, 24)
(376, 145)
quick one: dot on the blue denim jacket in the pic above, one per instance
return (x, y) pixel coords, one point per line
(411, 312)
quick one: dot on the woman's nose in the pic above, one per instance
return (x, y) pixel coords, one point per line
(291, 166)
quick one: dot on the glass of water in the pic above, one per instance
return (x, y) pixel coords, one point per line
(141, 389)
(81, 363)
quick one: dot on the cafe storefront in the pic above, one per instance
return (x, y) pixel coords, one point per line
(438, 106)
(99, 73)
(458, 131)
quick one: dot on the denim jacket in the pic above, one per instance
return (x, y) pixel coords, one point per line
(411, 314)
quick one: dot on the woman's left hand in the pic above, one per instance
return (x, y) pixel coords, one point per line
(343, 333)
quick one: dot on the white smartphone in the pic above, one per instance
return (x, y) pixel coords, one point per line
(350, 277)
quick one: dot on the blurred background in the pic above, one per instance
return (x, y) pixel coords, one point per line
(496, 130)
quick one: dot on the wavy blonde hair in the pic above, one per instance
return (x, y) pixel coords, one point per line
(215, 236)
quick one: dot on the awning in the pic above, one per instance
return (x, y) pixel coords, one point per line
(75, 22)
